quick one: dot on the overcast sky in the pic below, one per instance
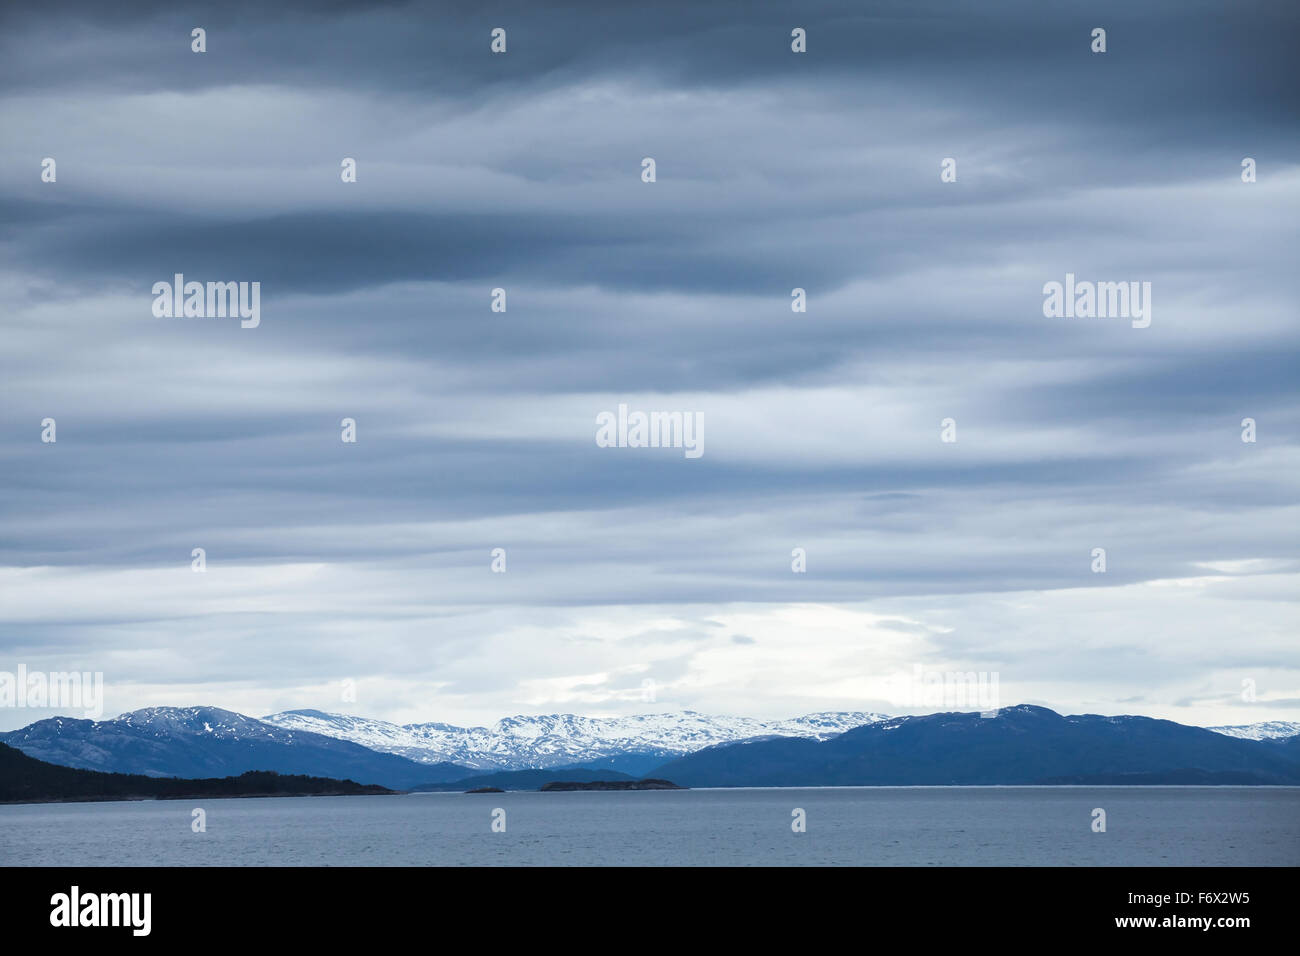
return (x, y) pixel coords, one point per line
(370, 562)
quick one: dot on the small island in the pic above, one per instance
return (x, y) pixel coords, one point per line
(650, 784)
(486, 790)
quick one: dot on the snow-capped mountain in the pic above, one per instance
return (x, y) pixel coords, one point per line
(1268, 730)
(557, 740)
(198, 742)
(210, 721)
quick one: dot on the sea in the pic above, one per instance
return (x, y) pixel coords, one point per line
(838, 826)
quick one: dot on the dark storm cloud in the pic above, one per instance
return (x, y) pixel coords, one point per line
(430, 47)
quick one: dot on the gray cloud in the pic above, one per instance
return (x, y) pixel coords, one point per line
(476, 428)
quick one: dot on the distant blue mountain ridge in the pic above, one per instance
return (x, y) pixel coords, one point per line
(1020, 745)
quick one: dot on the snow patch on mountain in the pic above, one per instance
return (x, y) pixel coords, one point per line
(1268, 730)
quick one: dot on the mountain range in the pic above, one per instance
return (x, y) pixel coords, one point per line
(1019, 745)
(630, 745)
(196, 742)
(1024, 744)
